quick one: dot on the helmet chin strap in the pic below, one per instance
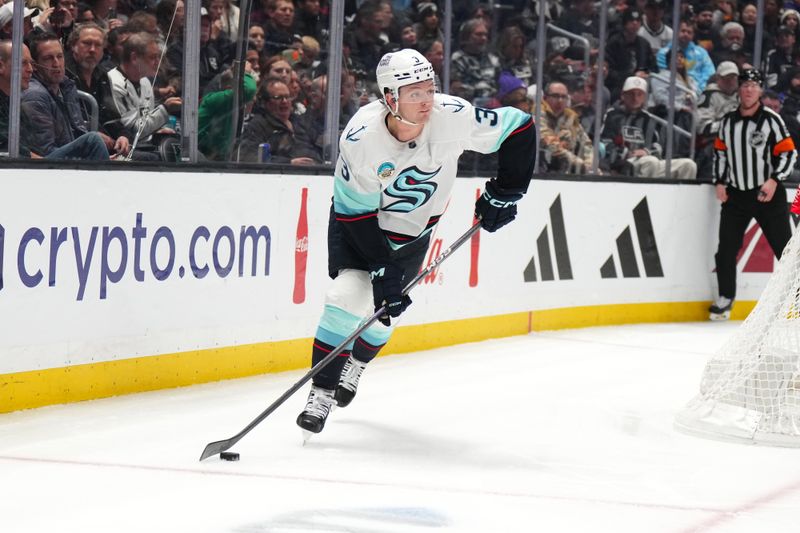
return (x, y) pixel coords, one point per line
(396, 112)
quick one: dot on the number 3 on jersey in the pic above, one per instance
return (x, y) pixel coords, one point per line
(344, 172)
(481, 113)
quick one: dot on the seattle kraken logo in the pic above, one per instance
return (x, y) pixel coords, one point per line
(412, 189)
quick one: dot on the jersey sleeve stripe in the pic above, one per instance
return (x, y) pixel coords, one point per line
(350, 202)
(522, 128)
(341, 218)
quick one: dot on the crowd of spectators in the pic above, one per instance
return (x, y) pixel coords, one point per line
(126, 56)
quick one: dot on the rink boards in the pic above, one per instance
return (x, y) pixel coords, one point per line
(118, 282)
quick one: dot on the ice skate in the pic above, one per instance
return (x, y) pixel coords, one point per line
(348, 383)
(318, 407)
(720, 310)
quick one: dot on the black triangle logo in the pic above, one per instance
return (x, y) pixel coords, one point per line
(560, 249)
(626, 248)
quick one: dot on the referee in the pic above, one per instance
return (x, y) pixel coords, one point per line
(753, 154)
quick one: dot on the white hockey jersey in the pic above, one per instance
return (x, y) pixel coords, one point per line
(409, 183)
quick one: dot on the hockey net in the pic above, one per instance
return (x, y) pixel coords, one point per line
(750, 389)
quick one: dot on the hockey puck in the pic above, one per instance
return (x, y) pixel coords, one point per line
(229, 456)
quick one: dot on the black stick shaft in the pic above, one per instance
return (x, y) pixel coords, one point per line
(217, 447)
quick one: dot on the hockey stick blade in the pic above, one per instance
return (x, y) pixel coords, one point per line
(214, 448)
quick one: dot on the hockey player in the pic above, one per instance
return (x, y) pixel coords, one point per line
(396, 169)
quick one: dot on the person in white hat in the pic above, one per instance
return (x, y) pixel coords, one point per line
(6, 22)
(719, 98)
(633, 138)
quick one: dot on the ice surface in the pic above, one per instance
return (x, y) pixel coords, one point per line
(555, 431)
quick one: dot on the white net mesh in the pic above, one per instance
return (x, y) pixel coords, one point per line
(750, 390)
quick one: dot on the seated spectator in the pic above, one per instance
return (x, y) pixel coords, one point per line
(88, 146)
(772, 100)
(580, 100)
(724, 12)
(731, 45)
(748, 18)
(567, 148)
(105, 14)
(131, 97)
(513, 92)
(700, 65)
(628, 53)
(581, 18)
(279, 30)
(791, 96)
(215, 113)
(253, 59)
(704, 32)
(51, 103)
(434, 52)
(408, 35)
(85, 51)
(428, 26)
(632, 141)
(85, 13)
(271, 123)
(653, 30)
(513, 55)
(309, 57)
(277, 67)
(684, 104)
(791, 19)
(216, 51)
(6, 22)
(112, 56)
(142, 21)
(475, 70)
(310, 21)
(170, 16)
(364, 38)
(685, 91)
(310, 128)
(781, 58)
(256, 36)
(58, 19)
(225, 16)
(718, 99)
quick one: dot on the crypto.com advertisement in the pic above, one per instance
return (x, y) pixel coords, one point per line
(101, 266)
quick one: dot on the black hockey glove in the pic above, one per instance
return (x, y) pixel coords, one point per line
(387, 291)
(495, 209)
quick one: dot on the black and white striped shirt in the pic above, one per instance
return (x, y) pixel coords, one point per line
(750, 150)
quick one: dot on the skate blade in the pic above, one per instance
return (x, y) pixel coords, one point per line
(720, 317)
(306, 436)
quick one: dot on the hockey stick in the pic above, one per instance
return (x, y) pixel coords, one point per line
(214, 448)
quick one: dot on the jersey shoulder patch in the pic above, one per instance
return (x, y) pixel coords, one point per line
(452, 104)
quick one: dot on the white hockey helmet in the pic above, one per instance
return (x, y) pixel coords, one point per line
(397, 69)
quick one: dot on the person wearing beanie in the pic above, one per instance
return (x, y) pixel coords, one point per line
(513, 92)
(428, 25)
(705, 34)
(628, 53)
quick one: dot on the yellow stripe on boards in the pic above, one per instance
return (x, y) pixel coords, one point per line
(25, 390)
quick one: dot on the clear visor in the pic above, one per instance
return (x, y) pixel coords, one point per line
(418, 92)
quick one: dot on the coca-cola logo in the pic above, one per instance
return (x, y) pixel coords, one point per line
(302, 244)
